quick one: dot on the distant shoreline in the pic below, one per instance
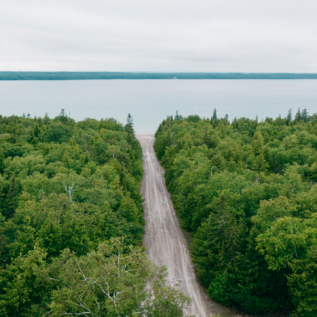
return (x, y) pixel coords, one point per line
(131, 75)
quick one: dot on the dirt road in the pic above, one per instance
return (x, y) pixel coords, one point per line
(164, 240)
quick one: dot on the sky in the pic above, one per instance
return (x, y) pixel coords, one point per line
(159, 36)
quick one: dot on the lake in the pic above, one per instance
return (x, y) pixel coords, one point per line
(151, 101)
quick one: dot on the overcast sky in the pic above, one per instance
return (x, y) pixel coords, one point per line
(161, 35)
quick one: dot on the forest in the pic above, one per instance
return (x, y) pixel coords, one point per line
(71, 222)
(246, 192)
(147, 75)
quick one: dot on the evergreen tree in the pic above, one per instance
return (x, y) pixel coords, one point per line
(1, 161)
(63, 113)
(224, 236)
(130, 131)
(253, 218)
(289, 116)
(298, 116)
(36, 130)
(267, 157)
(63, 116)
(259, 163)
(46, 118)
(129, 127)
(218, 223)
(214, 115)
(11, 200)
(305, 115)
(130, 121)
(233, 237)
(72, 200)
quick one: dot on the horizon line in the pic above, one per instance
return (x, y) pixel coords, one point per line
(148, 72)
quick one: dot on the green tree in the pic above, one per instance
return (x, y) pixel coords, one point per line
(130, 125)
(36, 130)
(305, 115)
(56, 132)
(22, 291)
(114, 281)
(224, 236)
(289, 116)
(11, 199)
(259, 164)
(298, 116)
(243, 249)
(1, 161)
(214, 115)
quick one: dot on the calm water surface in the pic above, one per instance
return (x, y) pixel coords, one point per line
(150, 101)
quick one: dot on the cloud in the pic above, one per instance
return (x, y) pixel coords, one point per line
(145, 35)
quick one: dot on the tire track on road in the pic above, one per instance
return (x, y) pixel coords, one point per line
(164, 241)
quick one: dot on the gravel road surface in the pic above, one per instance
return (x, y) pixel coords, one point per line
(164, 240)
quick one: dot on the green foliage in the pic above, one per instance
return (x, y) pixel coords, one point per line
(56, 132)
(113, 281)
(246, 191)
(1, 161)
(70, 203)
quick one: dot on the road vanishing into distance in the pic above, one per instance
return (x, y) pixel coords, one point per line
(164, 240)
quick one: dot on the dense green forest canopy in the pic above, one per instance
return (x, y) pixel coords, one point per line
(247, 191)
(131, 75)
(71, 222)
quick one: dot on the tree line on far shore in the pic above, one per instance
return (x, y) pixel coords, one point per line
(131, 75)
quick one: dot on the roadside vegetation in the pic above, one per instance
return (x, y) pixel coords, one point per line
(71, 222)
(247, 192)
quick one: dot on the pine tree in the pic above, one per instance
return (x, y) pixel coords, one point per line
(224, 236)
(36, 130)
(130, 120)
(11, 200)
(46, 118)
(1, 162)
(267, 156)
(130, 130)
(214, 116)
(62, 114)
(305, 115)
(289, 116)
(298, 116)
(233, 237)
(130, 125)
(218, 223)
